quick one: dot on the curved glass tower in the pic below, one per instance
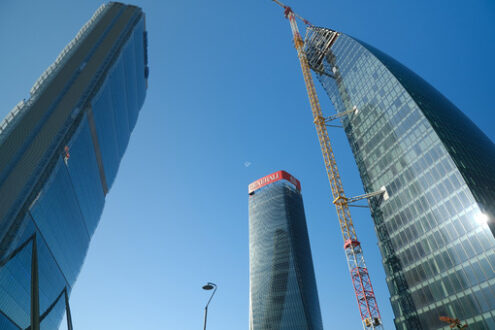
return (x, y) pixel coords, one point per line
(436, 230)
(283, 293)
(59, 155)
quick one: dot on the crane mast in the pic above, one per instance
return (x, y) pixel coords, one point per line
(361, 281)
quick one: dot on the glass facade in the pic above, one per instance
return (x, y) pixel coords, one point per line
(59, 155)
(283, 292)
(436, 231)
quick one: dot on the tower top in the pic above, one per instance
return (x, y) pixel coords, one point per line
(271, 178)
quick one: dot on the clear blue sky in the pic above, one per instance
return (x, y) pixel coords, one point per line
(225, 87)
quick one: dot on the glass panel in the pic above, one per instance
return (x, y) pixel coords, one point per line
(85, 176)
(59, 218)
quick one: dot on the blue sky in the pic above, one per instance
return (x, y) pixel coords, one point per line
(225, 88)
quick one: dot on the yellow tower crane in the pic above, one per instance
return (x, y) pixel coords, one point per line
(361, 281)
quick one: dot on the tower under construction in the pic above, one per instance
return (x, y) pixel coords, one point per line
(430, 172)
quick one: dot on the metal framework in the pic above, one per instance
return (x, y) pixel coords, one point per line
(35, 317)
(361, 281)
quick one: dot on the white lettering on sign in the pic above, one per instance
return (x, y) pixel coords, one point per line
(279, 175)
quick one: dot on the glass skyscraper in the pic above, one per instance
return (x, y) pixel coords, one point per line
(283, 293)
(59, 154)
(436, 230)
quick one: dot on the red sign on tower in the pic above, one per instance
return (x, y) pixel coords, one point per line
(270, 178)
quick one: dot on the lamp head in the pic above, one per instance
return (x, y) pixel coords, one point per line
(209, 286)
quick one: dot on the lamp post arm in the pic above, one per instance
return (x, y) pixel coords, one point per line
(214, 290)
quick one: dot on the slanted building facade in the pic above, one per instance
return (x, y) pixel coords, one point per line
(59, 155)
(436, 229)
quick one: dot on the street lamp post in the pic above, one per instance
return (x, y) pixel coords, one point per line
(207, 287)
